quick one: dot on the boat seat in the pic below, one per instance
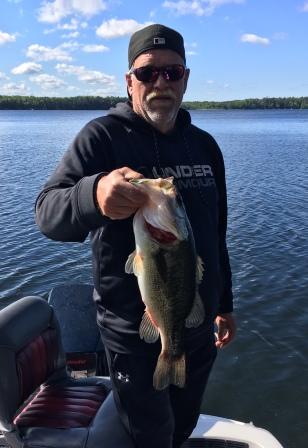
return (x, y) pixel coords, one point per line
(40, 404)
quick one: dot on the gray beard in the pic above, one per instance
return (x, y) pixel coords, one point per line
(161, 117)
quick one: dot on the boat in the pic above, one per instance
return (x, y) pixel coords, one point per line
(54, 386)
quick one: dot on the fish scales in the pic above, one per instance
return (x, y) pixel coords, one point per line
(168, 272)
(171, 290)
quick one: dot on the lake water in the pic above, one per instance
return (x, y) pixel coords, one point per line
(263, 376)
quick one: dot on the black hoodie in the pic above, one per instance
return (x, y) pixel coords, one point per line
(66, 211)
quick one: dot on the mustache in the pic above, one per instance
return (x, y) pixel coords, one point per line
(161, 94)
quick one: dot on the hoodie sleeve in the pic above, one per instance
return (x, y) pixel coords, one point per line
(65, 208)
(226, 299)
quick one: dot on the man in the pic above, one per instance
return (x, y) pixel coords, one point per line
(89, 193)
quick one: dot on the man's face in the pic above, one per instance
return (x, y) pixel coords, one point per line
(157, 102)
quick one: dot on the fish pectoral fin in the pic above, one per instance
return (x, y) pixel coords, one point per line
(147, 330)
(129, 265)
(134, 264)
(200, 270)
(196, 315)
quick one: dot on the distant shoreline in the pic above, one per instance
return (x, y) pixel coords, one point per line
(105, 103)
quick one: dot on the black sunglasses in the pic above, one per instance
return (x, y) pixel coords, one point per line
(150, 73)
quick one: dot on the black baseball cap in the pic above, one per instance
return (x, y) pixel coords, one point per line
(152, 37)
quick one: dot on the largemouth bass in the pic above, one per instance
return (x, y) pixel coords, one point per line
(168, 272)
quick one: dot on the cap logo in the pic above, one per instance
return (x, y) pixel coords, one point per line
(159, 41)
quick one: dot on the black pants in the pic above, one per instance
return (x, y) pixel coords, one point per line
(159, 419)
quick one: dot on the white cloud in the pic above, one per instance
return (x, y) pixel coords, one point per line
(70, 46)
(49, 31)
(118, 28)
(73, 89)
(3, 76)
(304, 8)
(197, 7)
(183, 7)
(71, 35)
(26, 68)
(254, 39)
(94, 48)
(41, 53)
(83, 74)
(55, 11)
(6, 38)
(47, 82)
(92, 77)
(190, 49)
(71, 26)
(14, 89)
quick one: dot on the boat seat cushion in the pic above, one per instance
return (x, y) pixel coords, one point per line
(77, 415)
(41, 354)
(62, 407)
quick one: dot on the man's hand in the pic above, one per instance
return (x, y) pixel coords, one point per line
(117, 198)
(226, 329)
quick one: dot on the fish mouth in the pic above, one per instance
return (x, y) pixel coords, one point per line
(159, 235)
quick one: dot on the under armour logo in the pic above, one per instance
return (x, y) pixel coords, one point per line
(159, 41)
(122, 378)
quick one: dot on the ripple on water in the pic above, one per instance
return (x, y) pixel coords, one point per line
(263, 375)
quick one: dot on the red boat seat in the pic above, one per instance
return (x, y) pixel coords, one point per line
(40, 404)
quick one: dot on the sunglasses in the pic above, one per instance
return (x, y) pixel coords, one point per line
(149, 73)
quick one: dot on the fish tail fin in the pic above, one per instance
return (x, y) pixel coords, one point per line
(169, 370)
(179, 371)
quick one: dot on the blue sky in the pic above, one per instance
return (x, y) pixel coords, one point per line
(235, 48)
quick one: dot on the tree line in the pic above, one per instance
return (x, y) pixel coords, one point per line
(105, 103)
(56, 103)
(252, 103)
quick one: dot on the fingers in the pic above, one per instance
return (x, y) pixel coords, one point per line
(116, 196)
(129, 174)
(226, 329)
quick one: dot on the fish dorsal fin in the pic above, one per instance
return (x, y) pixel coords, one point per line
(147, 330)
(134, 264)
(200, 270)
(196, 315)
